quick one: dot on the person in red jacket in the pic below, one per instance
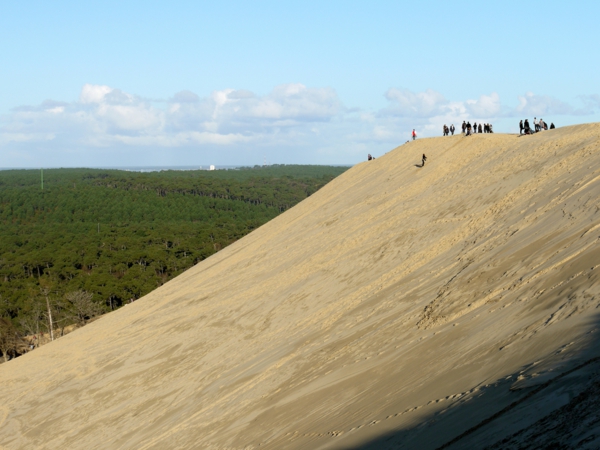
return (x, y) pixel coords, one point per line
(414, 134)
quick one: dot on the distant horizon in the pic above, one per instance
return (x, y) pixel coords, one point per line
(158, 168)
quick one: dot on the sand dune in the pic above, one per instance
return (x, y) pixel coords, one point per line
(398, 307)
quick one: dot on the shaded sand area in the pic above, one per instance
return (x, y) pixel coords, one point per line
(454, 306)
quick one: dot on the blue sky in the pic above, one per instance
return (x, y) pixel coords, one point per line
(194, 83)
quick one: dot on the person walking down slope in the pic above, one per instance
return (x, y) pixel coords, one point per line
(414, 134)
(423, 160)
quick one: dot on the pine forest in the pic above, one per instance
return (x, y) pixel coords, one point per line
(76, 243)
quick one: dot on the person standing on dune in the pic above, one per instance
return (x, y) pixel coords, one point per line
(414, 134)
(423, 160)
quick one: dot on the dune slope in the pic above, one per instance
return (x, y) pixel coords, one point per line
(450, 305)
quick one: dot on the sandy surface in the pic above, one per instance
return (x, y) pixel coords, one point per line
(398, 307)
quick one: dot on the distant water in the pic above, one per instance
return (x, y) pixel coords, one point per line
(154, 168)
(136, 168)
(159, 168)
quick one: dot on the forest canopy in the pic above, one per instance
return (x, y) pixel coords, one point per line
(112, 236)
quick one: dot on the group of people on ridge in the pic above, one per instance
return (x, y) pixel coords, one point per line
(525, 128)
(468, 130)
(447, 130)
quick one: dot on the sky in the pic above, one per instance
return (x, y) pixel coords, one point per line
(131, 83)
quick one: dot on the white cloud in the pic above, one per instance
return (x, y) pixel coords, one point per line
(128, 118)
(57, 110)
(290, 117)
(183, 139)
(405, 103)
(104, 114)
(541, 105)
(487, 106)
(7, 138)
(286, 102)
(591, 104)
(242, 112)
(430, 105)
(93, 93)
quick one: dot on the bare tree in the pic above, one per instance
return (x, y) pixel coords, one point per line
(82, 306)
(62, 315)
(45, 292)
(30, 321)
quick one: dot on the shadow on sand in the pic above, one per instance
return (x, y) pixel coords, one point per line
(551, 403)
